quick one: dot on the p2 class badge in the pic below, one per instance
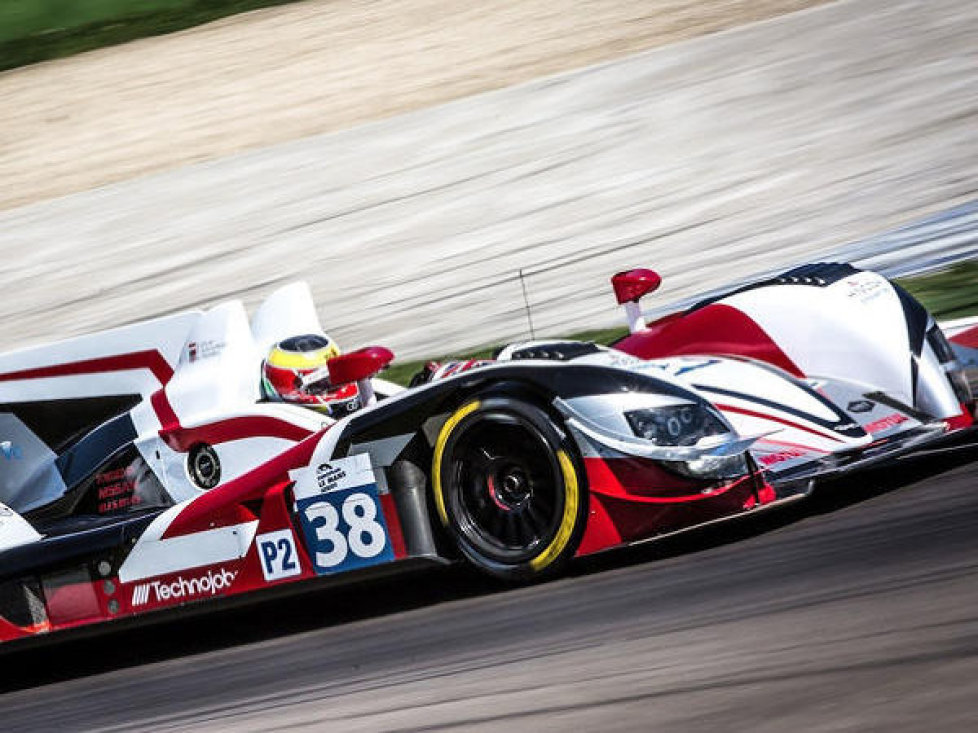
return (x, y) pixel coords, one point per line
(277, 555)
(344, 526)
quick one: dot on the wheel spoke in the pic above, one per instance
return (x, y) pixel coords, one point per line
(544, 501)
(536, 522)
(482, 463)
(528, 533)
(513, 537)
(496, 522)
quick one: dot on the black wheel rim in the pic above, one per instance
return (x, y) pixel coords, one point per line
(507, 488)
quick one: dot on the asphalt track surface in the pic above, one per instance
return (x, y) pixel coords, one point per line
(856, 610)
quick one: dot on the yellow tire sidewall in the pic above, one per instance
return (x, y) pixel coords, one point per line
(446, 430)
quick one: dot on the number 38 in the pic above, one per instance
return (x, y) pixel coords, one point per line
(366, 537)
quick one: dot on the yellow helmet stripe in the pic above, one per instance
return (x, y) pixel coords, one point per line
(302, 359)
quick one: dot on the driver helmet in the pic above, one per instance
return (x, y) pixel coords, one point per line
(288, 367)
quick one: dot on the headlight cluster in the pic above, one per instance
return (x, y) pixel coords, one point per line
(675, 425)
(686, 425)
(712, 467)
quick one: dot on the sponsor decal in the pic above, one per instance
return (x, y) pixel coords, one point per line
(116, 490)
(861, 406)
(865, 290)
(622, 360)
(692, 366)
(10, 451)
(788, 454)
(332, 475)
(197, 350)
(329, 476)
(885, 423)
(454, 368)
(276, 552)
(183, 588)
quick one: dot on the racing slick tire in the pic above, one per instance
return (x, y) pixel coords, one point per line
(508, 488)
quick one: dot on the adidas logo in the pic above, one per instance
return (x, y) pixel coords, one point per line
(180, 587)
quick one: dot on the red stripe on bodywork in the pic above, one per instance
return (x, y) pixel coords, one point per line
(235, 428)
(967, 338)
(600, 532)
(643, 481)
(963, 419)
(393, 525)
(10, 631)
(150, 359)
(789, 423)
(164, 411)
(715, 329)
(623, 512)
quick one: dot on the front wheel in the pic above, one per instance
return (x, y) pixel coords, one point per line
(508, 488)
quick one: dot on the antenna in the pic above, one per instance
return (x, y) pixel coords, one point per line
(526, 302)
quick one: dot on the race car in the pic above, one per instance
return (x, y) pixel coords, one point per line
(880, 376)
(142, 470)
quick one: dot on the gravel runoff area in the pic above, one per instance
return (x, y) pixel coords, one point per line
(708, 159)
(289, 72)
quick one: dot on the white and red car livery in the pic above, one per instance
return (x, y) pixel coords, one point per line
(863, 349)
(140, 470)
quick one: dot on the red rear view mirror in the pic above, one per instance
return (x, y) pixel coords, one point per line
(633, 284)
(358, 365)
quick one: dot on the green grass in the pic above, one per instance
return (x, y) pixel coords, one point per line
(24, 18)
(39, 30)
(951, 293)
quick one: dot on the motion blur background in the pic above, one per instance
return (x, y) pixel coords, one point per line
(409, 158)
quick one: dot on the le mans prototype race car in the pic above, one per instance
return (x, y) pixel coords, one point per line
(141, 470)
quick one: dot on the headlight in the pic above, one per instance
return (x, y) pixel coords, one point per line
(712, 467)
(675, 425)
(688, 437)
